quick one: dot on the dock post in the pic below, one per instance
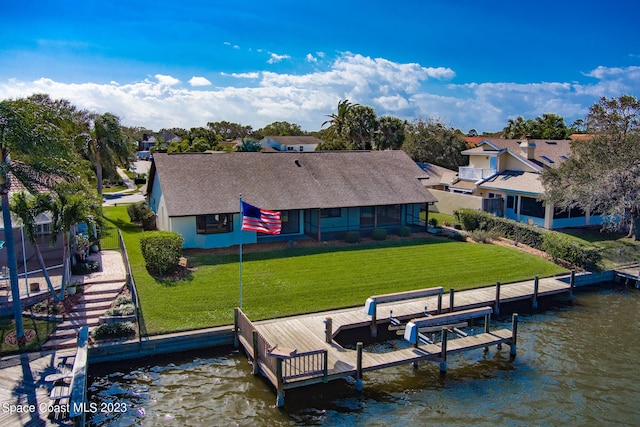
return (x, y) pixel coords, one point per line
(497, 304)
(328, 330)
(487, 318)
(256, 353)
(236, 341)
(572, 284)
(514, 334)
(359, 384)
(534, 303)
(325, 367)
(443, 351)
(439, 303)
(280, 385)
(451, 297)
(374, 320)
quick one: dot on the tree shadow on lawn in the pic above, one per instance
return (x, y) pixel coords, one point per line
(261, 251)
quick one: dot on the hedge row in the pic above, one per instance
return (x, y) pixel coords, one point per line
(557, 245)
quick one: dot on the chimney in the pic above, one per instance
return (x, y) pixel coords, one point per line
(528, 148)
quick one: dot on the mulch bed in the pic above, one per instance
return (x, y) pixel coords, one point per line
(29, 335)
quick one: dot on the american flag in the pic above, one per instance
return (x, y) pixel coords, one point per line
(261, 220)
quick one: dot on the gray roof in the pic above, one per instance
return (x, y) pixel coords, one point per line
(205, 183)
(438, 175)
(547, 153)
(515, 181)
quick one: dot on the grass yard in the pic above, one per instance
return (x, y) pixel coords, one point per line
(309, 279)
(42, 330)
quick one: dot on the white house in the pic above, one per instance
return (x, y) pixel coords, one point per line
(290, 143)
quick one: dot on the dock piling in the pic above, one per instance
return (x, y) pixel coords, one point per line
(236, 341)
(572, 284)
(534, 301)
(359, 384)
(328, 330)
(280, 384)
(443, 351)
(451, 297)
(440, 303)
(256, 354)
(514, 334)
(497, 304)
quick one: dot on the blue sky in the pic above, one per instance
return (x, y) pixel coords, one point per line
(472, 64)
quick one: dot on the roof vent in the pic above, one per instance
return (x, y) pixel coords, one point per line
(297, 162)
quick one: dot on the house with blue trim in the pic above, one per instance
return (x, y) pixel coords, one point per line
(321, 195)
(506, 173)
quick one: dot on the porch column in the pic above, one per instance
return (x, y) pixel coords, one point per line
(548, 216)
(319, 224)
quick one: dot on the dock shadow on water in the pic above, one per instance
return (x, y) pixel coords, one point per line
(576, 365)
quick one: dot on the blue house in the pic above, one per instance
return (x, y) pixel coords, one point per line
(321, 195)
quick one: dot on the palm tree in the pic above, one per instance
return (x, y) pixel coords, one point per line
(34, 152)
(71, 206)
(27, 208)
(105, 146)
(338, 121)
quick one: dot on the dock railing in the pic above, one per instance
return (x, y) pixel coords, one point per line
(284, 365)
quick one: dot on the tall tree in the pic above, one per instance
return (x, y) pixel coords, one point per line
(431, 141)
(282, 128)
(105, 145)
(361, 128)
(550, 126)
(603, 173)
(518, 128)
(337, 122)
(229, 130)
(27, 207)
(390, 133)
(36, 150)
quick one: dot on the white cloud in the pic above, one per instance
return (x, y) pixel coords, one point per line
(252, 75)
(167, 80)
(311, 58)
(199, 81)
(275, 58)
(404, 90)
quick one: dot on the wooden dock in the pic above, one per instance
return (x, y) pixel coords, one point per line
(629, 275)
(301, 350)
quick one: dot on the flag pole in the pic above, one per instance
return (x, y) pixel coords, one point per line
(241, 218)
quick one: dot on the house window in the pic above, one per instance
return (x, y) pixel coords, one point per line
(389, 215)
(302, 148)
(511, 202)
(331, 213)
(531, 207)
(214, 223)
(568, 213)
(367, 216)
(44, 228)
(290, 222)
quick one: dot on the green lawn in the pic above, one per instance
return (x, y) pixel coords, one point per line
(301, 280)
(42, 328)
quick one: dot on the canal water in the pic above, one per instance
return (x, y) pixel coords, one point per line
(576, 365)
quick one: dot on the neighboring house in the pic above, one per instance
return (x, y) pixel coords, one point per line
(437, 177)
(320, 195)
(290, 143)
(505, 173)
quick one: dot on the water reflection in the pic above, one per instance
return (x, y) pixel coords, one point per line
(575, 366)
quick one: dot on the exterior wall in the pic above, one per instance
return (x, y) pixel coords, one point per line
(480, 161)
(157, 205)
(298, 147)
(508, 162)
(450, 202)
(186, 226)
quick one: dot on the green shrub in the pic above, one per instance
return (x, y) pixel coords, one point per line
(352, 236)
(161, 250)
(404, 231)
(480, 236)
(148, 221)
(114, 330)
(433, 222)
(560, 247)
(459, 237)
(135, 211)
(85, 267)
(379, 234)
(121, 310)
(517, 231)
(123, 300)
(468, 219)
(142, 214)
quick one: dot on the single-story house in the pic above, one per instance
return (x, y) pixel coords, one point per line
(290, 143)
(506, 173)
(320, 195)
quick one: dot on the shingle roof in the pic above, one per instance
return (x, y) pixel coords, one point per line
(514, 181)
(205, 183)
(548, 153)
(438, 175)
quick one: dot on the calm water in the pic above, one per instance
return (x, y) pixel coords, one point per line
(576, 366)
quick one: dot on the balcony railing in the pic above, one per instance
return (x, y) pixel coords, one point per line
(475, 174)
